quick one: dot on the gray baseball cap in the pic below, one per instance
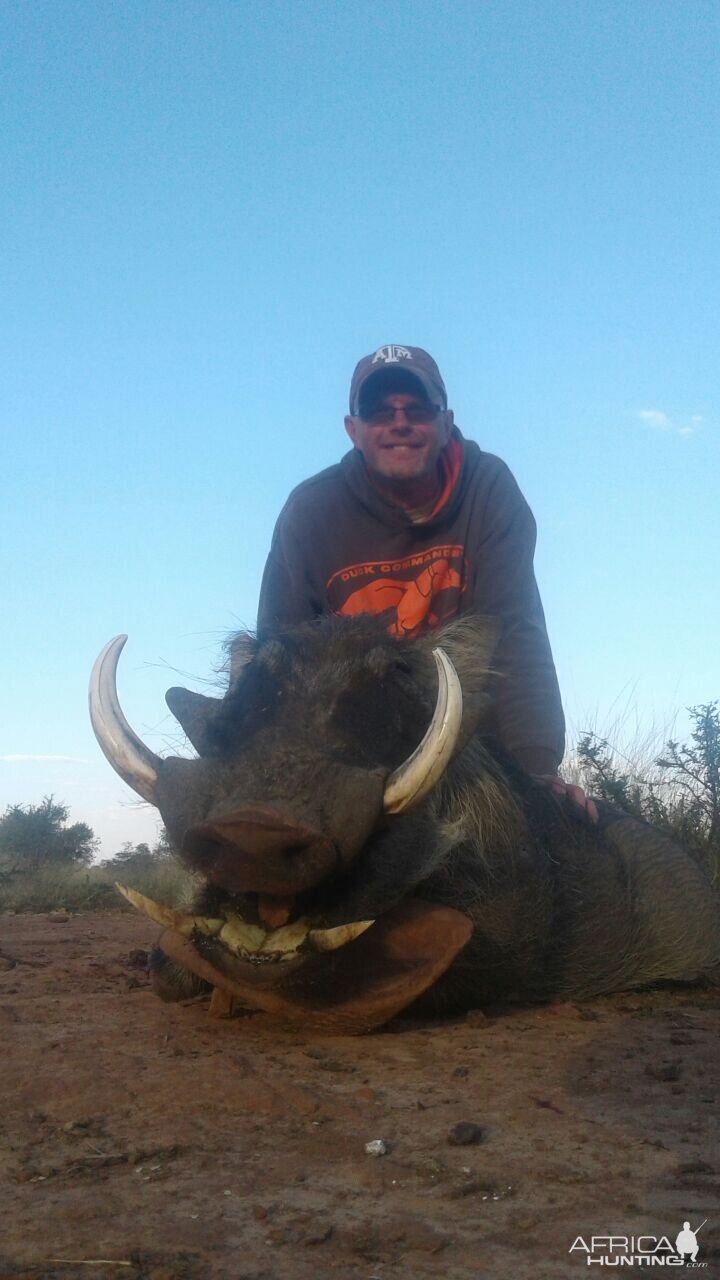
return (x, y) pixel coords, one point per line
(395, 366)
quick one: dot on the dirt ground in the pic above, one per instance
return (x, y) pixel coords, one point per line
(153, 1142)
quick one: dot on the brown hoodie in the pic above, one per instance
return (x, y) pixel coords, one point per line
(340, 547)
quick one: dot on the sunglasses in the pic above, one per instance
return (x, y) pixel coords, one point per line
(415, 414)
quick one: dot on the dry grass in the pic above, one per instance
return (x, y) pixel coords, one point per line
(93, 888)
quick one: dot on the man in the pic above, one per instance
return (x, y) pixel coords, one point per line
(419, 525)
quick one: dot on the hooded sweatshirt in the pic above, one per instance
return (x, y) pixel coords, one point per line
(340, 547)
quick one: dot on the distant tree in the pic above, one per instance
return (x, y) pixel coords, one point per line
(138, 857)
(129, 853)
(38, 835)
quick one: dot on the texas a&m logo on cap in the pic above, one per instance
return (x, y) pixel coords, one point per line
(391, 354)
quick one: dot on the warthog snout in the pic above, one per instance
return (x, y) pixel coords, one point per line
(258, 851)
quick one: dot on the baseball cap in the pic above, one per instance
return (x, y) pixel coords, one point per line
(396, 366)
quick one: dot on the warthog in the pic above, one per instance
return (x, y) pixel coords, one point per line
(365, 845)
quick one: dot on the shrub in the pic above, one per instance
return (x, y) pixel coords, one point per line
(680, 792)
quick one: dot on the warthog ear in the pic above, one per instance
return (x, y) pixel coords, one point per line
(196, 714)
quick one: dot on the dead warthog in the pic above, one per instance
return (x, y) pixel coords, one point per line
(364, 845)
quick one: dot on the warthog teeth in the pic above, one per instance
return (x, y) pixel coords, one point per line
(239, 936)
(251, 941)
(333, 939)
(288, 937)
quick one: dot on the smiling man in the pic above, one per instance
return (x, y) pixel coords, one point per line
(420, 525)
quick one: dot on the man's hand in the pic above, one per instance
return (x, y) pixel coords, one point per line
(573, 792)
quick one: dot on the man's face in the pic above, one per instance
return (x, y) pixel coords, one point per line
(405, 446)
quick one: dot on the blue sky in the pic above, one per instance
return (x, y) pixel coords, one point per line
(210, 211)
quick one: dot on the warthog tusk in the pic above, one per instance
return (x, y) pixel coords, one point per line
(128, 755)
(333, 939)
(410, 783)
(168, 917)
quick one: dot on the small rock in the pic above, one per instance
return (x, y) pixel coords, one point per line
(378, 1147)
(466, 1134)
(476, 1018)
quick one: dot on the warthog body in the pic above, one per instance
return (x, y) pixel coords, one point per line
(282, 815)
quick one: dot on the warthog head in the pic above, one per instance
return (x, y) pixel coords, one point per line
(315, 800)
